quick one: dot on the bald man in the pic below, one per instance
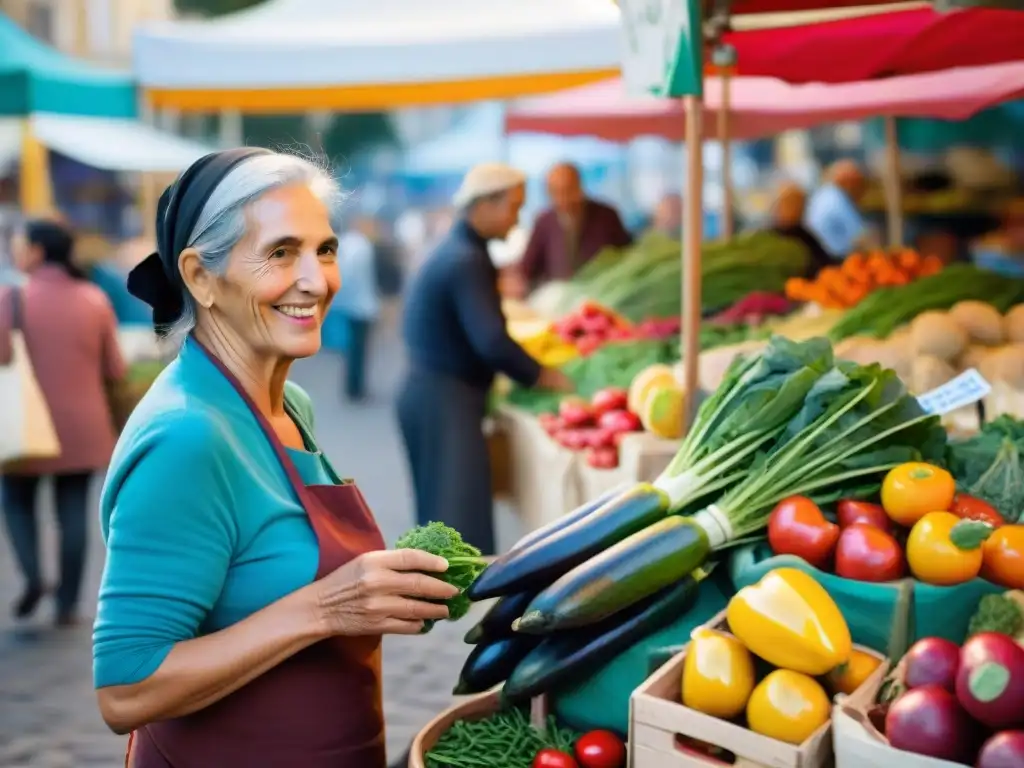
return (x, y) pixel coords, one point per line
(787, 220)
(570, 233)
(833, 214)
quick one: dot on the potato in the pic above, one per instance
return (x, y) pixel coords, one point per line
(982, 321)
(1006, 365)
(1013, 324)
(928, 372)
(938, 334)
(974, 355)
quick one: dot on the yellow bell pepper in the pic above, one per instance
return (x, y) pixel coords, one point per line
(790, 621)
(788, 706)
(718, 674)
(848, 677)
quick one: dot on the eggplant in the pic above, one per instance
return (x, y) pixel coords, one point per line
(567, 656)
(569, 518)
(491, 663)
(636, 567)
(497, 622)
(537, 565)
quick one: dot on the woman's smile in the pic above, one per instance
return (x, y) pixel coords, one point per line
(307, 315)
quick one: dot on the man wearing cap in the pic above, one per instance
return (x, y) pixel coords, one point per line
(569, 234)
(455, 334)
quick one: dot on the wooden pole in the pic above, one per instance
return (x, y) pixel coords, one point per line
(892, 185)
(693, 232)
(728, 224)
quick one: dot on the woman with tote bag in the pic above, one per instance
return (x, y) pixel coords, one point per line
(59, 352)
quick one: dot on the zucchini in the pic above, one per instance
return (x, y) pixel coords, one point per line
(497, 622)
(539, 564)
(582, 511)
(492, 662)
(567, 656)
(629, 571)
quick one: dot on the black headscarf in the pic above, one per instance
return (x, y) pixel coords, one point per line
(156, 280)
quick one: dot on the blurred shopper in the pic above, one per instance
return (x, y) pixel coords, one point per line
(456, 338)
(787, 220)
(833, 213)
(70, 332)
(668, 216)
(571, 232)
(357, 302)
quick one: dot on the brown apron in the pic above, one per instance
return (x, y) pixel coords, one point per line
(319, 709)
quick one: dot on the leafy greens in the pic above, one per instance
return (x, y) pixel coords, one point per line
(990, 466)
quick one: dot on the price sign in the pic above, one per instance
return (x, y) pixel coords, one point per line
(967, 388)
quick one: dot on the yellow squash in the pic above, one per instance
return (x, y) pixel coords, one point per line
(718, 674)
(788, 706)
(790, 621)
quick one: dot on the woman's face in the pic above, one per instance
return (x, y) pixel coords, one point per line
(281, 277)
(25, 255)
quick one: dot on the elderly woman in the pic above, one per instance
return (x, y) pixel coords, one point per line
(246, 585)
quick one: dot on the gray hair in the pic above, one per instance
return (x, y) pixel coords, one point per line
(221, 224)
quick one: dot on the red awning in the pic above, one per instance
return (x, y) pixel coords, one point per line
(883, 45)
(763, 106)
(740, 7)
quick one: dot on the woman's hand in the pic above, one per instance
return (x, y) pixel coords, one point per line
(382, 593)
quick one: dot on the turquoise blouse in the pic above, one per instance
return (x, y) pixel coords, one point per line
(201, 524)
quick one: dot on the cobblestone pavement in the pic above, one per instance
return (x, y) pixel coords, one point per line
(48, 717)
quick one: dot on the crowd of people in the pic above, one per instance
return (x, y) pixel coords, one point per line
(246, 587)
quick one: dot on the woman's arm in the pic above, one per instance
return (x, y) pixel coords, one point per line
(199, 672)
(170, 539)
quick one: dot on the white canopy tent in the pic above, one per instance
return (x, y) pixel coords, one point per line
(375, 54)
(124, 146)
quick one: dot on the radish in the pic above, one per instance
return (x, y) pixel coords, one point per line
(932, 661)
(929, 721)
(609, 399)
(1004, 750)
(575, 412)
(619, 421)
(990, 684)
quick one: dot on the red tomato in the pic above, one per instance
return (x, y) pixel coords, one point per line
(972, 508)
(609, 399)
(867, 553)
(553, 758)
(850, 511)
(797, 527)
(600, 749)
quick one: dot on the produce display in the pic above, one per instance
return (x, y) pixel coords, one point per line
(959, 703)
(859, 275)
(884, 311)
(642, 280)
(920, 526)
(595, 426)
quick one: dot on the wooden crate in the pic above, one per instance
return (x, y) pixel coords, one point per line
(501, 459)
(659, 723)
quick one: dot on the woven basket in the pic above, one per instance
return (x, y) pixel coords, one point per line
(471, 709)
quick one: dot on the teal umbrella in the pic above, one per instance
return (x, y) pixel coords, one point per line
(37, 78)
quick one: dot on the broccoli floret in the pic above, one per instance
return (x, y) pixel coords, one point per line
(464, 562)
(997, 613)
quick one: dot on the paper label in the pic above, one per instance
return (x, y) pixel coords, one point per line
(967, 388)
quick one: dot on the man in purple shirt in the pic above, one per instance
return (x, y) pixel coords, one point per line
(570, 233)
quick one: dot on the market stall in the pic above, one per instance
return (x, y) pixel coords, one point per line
(270, 59)
(808, 486)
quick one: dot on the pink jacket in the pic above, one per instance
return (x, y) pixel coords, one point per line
(71, 334)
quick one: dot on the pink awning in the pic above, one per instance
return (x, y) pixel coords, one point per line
(763, 106)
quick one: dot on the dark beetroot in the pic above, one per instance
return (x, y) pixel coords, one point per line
(1004, 750)
(930, 721)
(932, 661)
